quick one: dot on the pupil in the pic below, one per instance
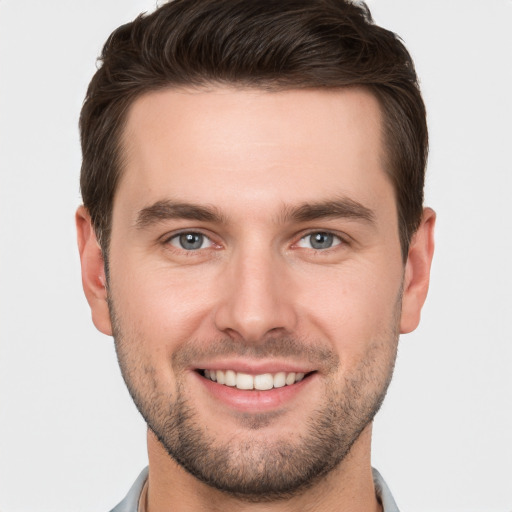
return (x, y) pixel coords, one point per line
(191, 240)
(321, 240)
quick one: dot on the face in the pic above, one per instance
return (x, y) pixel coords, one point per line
(256, 280)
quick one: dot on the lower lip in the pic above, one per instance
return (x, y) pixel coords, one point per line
(255, 400)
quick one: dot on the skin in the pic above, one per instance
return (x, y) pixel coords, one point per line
(254, 157)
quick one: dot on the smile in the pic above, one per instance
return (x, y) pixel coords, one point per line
(246, 381)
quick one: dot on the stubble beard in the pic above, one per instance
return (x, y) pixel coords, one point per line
(251, 467)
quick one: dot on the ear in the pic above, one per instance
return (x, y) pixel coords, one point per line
(94, 281)
(417, 272)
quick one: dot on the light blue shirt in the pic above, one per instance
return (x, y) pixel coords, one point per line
(131, 501)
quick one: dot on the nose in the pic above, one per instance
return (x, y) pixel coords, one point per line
(256, 297)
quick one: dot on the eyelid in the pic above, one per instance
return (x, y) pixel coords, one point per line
(166, 239)
(342, 237)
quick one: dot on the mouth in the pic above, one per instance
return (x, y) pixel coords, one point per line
(248, 382)
(256, 388)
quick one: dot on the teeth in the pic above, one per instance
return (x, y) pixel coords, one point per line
(290, 379)
(264, 382)
(244, 381)
(261, 382)
(230, 378)
(279, 379)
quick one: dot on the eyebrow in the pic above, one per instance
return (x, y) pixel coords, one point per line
(306, 212)
(166, 210)
(337, 208)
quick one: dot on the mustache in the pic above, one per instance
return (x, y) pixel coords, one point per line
(286, 347)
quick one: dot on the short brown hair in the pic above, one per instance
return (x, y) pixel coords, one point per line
(267, 44)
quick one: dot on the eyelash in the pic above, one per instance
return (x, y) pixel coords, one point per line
(338, 240)
(175, 236)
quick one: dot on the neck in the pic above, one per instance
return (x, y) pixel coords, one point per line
(348, 487)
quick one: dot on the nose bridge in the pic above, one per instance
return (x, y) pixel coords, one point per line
(255, 296)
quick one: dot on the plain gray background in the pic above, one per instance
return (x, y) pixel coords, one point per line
(70, 437)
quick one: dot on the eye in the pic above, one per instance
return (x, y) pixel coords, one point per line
(190, 241)
(319, 240)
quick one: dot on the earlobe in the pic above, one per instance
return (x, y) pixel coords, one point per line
(417, 272)
(93, 271)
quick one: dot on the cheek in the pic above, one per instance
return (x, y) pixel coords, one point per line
(350, 305)
(354, 307)
(165, 305)
(156, 315)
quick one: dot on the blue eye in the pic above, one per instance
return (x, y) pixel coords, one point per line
(319, 240)
(190, 241)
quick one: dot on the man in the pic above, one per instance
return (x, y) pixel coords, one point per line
(253, 237)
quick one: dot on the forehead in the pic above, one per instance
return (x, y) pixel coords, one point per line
(250, 147)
